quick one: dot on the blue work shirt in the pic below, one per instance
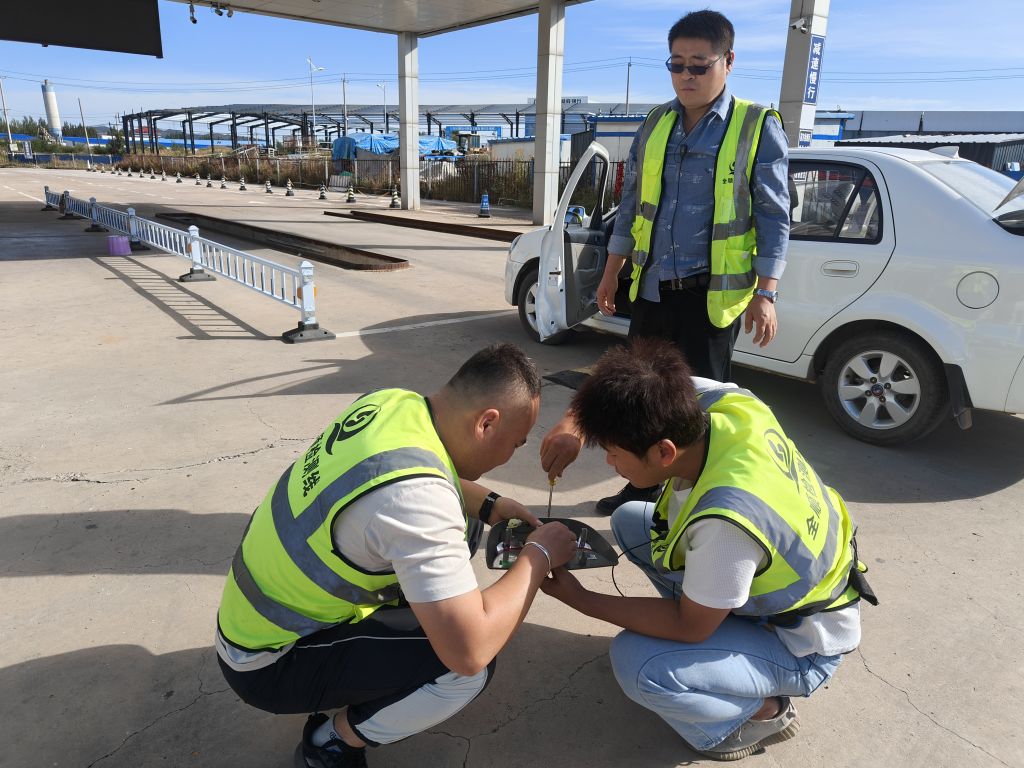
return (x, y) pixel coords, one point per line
(680, 242)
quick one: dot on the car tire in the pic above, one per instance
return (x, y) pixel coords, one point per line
(885, 388)
(526, 299)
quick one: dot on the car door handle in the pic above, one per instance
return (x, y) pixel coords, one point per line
(840, 268)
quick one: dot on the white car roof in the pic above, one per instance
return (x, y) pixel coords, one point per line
(870, 153)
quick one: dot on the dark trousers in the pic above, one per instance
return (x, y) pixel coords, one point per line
(682, 317)
(365, 666)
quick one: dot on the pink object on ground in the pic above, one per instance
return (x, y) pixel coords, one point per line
(118, 245)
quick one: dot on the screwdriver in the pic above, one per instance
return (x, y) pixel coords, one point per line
(551, 490)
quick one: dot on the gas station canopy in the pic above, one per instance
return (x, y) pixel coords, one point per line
(419, 17)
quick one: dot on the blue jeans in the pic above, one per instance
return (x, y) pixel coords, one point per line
(705, 690)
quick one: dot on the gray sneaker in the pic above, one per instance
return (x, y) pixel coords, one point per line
(754, 735)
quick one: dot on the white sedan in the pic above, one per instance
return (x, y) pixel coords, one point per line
(903, 295)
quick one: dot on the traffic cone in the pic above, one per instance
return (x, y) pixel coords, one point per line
(241, 184)
(223, 182)
(198, 182)
(209, 181)
(119, 170)
(351, 194)
(269, 190)
(323, 193)
(177, 178)
(485, 207)
(395, 202)
(288, 191)
(129, 172)
(152, 174)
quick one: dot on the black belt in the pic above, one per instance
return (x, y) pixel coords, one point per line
(682, 283)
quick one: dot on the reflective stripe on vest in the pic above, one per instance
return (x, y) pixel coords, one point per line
(756, 479)
(733, 241)
(286, 579)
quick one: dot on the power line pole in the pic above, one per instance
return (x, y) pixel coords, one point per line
(7, 121)
(85, 128)
(629, 69)
(344, 106)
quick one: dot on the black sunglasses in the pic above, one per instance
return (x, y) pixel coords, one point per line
(693, 69)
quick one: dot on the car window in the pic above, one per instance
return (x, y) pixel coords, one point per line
(589, 195)
(832, 201)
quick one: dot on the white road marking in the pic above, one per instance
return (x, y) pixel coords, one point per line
(30, 197)
(415, 326)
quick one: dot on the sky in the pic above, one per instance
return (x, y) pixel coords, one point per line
(879, 55)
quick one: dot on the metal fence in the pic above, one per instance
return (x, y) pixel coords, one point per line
(462, 179)
(291, 286)
(75, 161)
(304, 172)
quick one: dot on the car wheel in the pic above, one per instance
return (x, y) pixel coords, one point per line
(527, 301)
(885, 388)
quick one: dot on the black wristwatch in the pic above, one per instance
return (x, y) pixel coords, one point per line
(485, 509)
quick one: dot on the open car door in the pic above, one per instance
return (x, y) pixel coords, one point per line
(573, 252)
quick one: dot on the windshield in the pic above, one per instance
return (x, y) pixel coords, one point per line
(982, 186)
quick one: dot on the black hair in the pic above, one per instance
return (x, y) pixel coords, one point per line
(637, 395)
(705, 25)
(500, 369)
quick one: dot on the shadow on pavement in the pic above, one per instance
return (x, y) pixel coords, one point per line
(553, 695)
(127, 541)
(386, 366)
(199, 316)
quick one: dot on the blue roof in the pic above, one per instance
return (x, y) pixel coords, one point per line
(383, 143)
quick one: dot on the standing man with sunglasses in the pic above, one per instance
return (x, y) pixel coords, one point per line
(704, 219)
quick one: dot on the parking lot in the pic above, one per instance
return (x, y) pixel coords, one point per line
(144, 418)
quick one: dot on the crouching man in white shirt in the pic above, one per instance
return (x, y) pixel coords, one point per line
(352, 596)
(753, 555)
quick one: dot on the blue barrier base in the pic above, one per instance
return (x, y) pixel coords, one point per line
(196, 276)
(138, 246)
(96, 228)
(310, 332)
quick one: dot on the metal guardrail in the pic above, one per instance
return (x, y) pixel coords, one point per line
(291, 286)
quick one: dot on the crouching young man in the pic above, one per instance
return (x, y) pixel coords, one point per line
(352, 587)
(753, 555)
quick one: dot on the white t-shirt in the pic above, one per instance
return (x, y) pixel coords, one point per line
(413, 527)
(721, 560)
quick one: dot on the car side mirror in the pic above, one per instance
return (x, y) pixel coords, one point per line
(574, 215)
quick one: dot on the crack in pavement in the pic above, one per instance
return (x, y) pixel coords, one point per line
(469, 744)
(546, 699)
(925, 714)
(249, 407)
(133, 734)
(78, 477)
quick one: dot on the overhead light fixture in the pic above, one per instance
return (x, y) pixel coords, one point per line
(230, 12)
(192, 12)
(217, 9)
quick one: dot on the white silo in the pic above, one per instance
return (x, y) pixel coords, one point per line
(52, 112)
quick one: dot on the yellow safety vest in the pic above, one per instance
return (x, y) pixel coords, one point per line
(287, 580)
(733, 240)
(755, 478)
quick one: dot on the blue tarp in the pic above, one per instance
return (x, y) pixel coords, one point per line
(383, 143)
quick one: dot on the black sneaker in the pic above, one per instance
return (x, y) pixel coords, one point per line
(333, 754)
(629, 492)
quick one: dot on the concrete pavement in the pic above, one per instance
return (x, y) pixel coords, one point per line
(144, 418)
